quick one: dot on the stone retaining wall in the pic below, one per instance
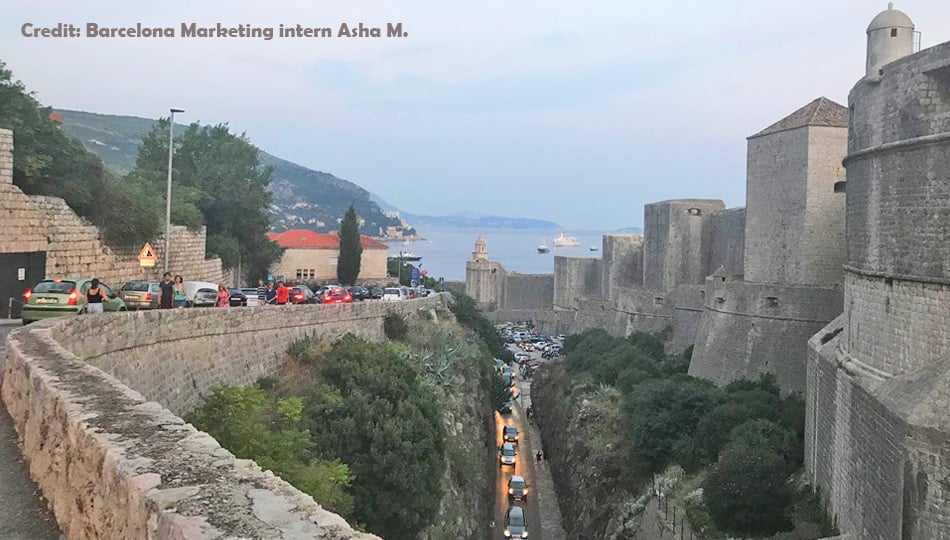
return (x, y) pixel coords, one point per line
(94, 400)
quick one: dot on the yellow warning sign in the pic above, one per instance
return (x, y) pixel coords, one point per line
(147, 256)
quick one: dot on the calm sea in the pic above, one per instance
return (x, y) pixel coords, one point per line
(445, 250)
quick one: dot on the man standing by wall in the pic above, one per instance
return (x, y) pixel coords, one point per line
(168, 291)
(261, 292)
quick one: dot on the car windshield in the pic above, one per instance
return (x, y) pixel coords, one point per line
(517, 484)
(511, 430)
(62, 287)
(516, 517)
(207, 292)
(507, 450)
(392, 291)
(136, 286)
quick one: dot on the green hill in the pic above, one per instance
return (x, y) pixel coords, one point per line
(302, 197)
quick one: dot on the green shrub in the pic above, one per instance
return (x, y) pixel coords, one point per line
(395, 327)
(747, 492)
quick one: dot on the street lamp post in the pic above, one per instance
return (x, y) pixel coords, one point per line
(168, 192)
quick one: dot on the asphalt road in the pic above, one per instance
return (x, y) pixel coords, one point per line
(23, 512)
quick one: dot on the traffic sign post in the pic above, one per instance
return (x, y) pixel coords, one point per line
(415, 276)
(147, 257)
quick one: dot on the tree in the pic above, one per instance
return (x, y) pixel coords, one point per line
(351, 250)
(746, 492)
(218, 181)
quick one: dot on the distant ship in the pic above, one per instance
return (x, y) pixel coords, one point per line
(594, 248)
(409, 256)
(565, 241)
(543, 248)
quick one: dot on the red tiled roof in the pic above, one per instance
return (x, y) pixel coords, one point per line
(306, 239)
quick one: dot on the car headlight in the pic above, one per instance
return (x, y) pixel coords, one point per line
(507, 532)
(524, 533)
(525, 491)
(510, 491)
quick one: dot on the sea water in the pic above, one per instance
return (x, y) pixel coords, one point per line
(445, 250)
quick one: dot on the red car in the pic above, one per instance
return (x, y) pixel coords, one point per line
(338, 295)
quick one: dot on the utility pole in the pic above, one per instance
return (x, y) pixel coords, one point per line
(168, 192)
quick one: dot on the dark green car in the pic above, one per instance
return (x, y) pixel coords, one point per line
(63, 297)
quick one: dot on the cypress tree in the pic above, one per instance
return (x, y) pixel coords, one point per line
(351, 251)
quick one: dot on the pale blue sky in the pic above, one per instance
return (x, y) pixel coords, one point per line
(575, 112)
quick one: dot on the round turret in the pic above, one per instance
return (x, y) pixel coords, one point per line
(890, 37)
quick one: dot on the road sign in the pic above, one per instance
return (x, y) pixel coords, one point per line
(147, 257)
(415, 275)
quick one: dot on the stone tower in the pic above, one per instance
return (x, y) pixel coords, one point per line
(794, 229)
(673, 237)
(483, 278)
(890, 37)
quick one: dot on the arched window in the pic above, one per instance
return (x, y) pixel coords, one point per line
(840, 186)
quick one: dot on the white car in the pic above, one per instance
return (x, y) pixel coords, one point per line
(394, 294)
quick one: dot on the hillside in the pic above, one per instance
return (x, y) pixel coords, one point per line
(302, 197)
(468, 221)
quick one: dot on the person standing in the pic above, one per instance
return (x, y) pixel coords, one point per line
(224, 297)
(94, 298)
(168, 291)
(271, 294)
(181, 296)
(261, 292)
(283, 294)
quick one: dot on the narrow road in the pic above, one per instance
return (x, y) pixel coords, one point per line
(544, 519)
(23, 512)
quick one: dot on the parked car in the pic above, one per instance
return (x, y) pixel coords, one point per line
(303, 295)
(204, 297)
(394, 294)
(517, 489)
(238, 298)
(506, 408)
(338, 295)
(516, 524)
(192, 288)
(358, 293)
(141, 294)
(63, 297)
(507, 455)
(251, 294)
(375, 293)
(510, 434)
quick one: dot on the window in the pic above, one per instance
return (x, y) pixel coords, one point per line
(695, 211)
(657, 300)
(840, 186)
(313, 273)
(300, 273)
(893, 32)
(771, 301)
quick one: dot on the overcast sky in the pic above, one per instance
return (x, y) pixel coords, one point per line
(575, 112)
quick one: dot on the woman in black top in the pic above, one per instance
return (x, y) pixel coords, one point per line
(94, 298)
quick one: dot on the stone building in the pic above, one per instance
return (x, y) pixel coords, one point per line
(794, 236)
(877, 438)
(507, 295)
(311, 256)
(42, 237)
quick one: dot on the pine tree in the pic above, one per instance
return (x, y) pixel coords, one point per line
(351, 251)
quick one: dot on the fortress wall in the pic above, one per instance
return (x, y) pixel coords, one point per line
(823, 238)
(114, 463)
(484, 281)
(775, 206)
(752, 328)
(75, 248)
(724, 241)
(622, 262)
(528, 292)
(673, 251)
(633, 310)
(687, 316)
(575, 280)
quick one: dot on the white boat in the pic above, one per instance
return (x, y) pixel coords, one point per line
(565, 241)
(543, 248)
(409, 256)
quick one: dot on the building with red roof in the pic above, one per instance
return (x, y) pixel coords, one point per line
(312, 256)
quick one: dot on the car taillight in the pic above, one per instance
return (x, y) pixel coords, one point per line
(27, 294)
(298, 296)
(328, 298)
(148, 297)
(348, 297)
(73, 297)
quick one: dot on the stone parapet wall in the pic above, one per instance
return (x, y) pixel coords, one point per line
(74, 248)
(724, 241)
(527, 292)
(115, 463)
(749, 329)
(576, 280)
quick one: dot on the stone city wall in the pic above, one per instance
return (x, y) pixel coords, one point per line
(724, 241)
(687, 316)
(94, 400)
(527, 292)
(576, 280)
(622, 264)
(75, 248)
(749, 329)
(633, 310)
